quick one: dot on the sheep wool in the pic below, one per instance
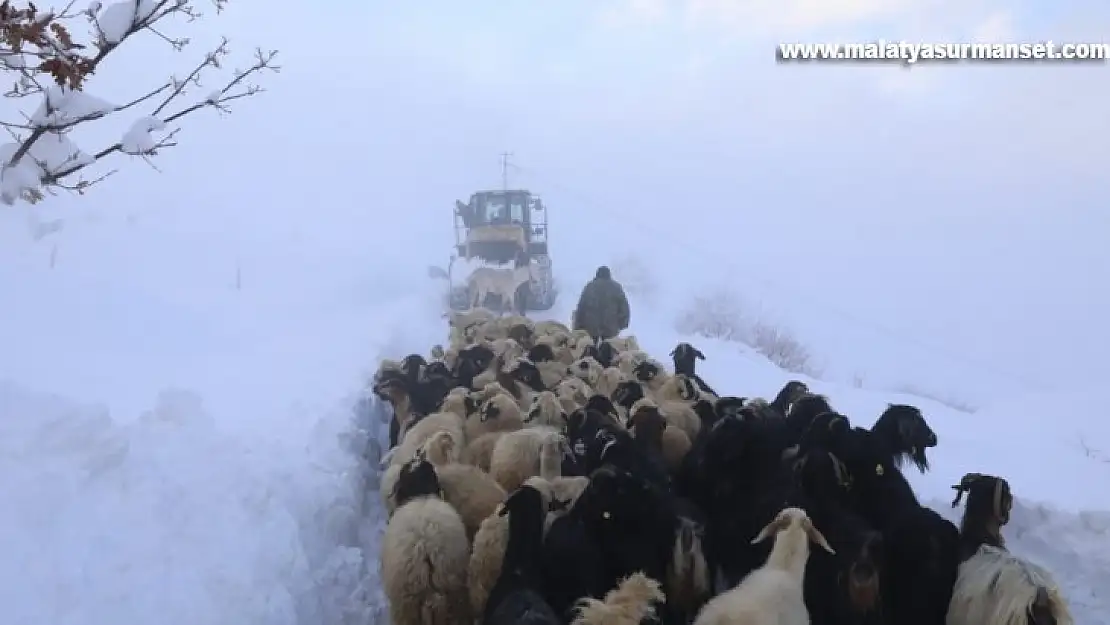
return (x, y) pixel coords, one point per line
(424, 564)
(772, 594)
(631, 602)
(516, 456)
(996, 587)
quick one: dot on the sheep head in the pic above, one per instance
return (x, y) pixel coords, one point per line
(441, 448)
(541, 352)
(646, 422)
(789, 518)
(413, 366)
(587, 369)
(417, 479)
(546, 409)
(497, 405)
(647, 370)
(603, 405)
(628, 393)
(728, 407)
(525, 371)
(522, 333)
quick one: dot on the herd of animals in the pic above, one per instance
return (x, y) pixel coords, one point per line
(537, 476)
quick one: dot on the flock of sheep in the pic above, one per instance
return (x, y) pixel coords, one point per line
(539, 477)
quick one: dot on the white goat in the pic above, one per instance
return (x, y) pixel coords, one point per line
(771, 594)
(504, 282)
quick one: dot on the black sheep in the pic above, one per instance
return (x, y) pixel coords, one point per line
(517, 597)
(989, 502)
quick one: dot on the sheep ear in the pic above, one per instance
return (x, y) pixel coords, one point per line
(771, 529)
(674, 351)
(816, 536)
(700, 356)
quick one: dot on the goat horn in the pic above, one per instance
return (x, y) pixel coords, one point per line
(839, 470)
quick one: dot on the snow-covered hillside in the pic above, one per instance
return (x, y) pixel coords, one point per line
(179, 449)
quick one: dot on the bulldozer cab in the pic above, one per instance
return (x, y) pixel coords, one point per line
(501, 226)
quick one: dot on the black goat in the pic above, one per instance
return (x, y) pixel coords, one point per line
(791, 392)
(518, 595)
(904, 431)
(922, 547)
(989, 502)
(685, 357)
(845, 588)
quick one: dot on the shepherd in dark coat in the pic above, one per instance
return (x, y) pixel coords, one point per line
(603, 307)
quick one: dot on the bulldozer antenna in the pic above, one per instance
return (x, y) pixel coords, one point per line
(505, 170)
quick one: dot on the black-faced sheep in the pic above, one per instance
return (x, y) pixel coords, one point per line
(772, 594)
(517, 598)
(678, 414)
(586, 369)
(424, 554)
(546, 411)
(632, 602)
(498, 413)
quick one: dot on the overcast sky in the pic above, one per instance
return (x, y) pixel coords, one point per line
(951, 215)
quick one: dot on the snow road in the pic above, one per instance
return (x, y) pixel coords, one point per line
(237, 495)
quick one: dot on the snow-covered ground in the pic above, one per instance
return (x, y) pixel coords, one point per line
(180, 445)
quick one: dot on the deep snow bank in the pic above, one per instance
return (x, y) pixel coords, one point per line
(244, 502)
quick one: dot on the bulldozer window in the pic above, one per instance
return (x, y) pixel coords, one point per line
(496, 211)
(517, 214)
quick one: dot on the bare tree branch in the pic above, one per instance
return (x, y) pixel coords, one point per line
(38, 49)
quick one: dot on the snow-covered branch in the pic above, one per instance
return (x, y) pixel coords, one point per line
(51, 66)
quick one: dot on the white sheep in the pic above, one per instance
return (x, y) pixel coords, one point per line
(546, 411)
(771, 594)
(517, 455)
(632, 601)
(425, 556)
(995, 587)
